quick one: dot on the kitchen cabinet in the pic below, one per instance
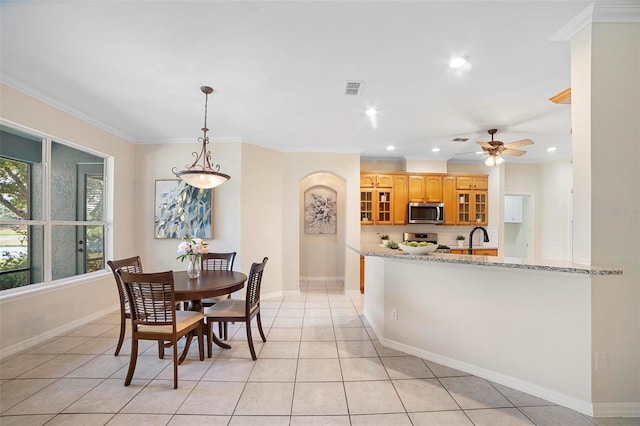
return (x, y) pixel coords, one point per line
(425, 188)
(376, 206)
(449, 199)
(513, 209)
(400, 199)
(472, 182)
(371, 180)
(472, 207)
(476, 251)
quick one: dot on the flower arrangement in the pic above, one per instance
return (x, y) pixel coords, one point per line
(192, 248)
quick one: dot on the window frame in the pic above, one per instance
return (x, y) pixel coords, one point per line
(48, 283)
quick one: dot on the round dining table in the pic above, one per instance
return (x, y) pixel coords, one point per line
(208, 284)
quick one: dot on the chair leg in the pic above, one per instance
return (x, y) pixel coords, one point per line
(123, 327)
(187, 344)
(160, 349)
(208, 331)
(221, 330)
(250, 339)
(264, 339)
(175, 363)
(201, 341)
(226, 331)
(132, 361)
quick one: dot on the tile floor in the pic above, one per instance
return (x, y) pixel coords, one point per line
(321, 365)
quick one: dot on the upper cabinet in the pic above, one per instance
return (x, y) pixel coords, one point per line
(400, 199)
(472, 182)
(449, 199)
(513, 208)
(376, 181)
(425, 188)
(377, 199)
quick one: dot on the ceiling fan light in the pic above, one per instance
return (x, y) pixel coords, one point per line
(458, 62)
(499, 160)
(490, 161)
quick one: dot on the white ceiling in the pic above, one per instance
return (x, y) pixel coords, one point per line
(279, 71)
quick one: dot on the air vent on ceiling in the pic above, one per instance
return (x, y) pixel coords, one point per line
(354, 88)
(460, 139)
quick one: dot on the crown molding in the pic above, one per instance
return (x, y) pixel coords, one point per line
(616, 11)
(599, 11)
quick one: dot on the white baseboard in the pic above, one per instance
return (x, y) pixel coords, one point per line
(58, 331)
(616, 409)
(322, 279)
(584, 407)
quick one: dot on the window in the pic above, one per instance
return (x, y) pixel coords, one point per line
(52, 222)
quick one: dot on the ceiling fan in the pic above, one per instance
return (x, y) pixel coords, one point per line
(496, 149)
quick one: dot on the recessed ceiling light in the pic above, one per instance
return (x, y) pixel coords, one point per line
(458, 62)
(371, 112)
(551, 149)
(435, 150)
(391, 148)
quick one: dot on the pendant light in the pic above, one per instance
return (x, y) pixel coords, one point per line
(203, 175)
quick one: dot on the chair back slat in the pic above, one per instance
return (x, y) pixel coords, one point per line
(151, 296)
(218, 261)
(130, 264)
(253, 284)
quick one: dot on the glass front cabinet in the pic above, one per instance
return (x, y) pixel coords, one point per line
(472, 207)
(375, 206)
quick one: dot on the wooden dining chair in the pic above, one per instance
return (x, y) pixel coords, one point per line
(240, 310)
(152, 301)
(130, 264)
(218, 262)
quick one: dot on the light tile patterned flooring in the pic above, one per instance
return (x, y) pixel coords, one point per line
(321, 365)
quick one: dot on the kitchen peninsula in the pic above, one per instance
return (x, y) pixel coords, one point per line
(524, 324)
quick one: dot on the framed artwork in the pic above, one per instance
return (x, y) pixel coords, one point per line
(320, 211)
(182, 210)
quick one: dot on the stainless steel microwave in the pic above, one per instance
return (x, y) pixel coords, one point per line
(426, 213)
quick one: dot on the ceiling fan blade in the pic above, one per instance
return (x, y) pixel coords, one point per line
(513, 152)
(522, 142)
(485, 144)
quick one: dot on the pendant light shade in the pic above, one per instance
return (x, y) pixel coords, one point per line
(203, 175)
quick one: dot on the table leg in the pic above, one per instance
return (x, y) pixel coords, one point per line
(196, 305)
(219, 342)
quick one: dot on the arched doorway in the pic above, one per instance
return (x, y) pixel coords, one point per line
(322, 229)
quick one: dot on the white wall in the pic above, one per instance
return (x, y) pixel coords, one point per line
(614, 211)
(553, 224)
(533, 326)
(549, 184)
(262, 214)
(65, 306)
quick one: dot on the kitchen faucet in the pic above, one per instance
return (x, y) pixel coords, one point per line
(486, 237)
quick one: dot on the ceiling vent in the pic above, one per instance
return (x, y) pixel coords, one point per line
(354, 88)
(460, 139)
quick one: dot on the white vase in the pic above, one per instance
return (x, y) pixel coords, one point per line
(460, 243)
(193, 268)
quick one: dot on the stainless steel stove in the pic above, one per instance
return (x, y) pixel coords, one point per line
(429, 237)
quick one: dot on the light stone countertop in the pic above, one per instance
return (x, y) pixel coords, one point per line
(502, 262)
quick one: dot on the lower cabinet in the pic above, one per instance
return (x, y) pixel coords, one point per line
(476, 251)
